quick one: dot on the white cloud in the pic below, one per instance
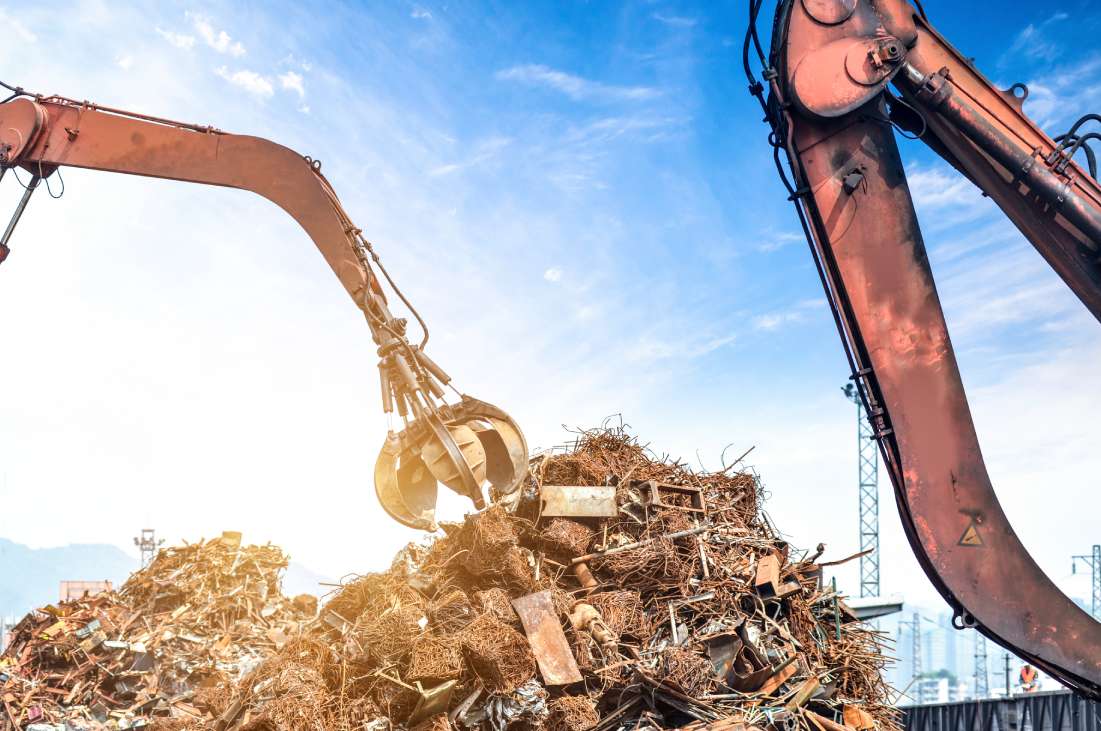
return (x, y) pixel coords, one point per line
(1015, 289)
(1065, 93)
(554, 274)
(421, 13)
(219, 40)
(485, 152)
(575, 159)
(293, 82)
(250, 81)
(775, 242)
(16, 26)
(774, 320)
(940, 187)
(575, 87)
(945, 199)
(124, 61)
(1033, 42)
(447, 169)
(798, 312)
(650, 348)
(675, 21)
(179, 40)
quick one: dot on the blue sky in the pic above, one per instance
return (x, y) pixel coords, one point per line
(579, 198)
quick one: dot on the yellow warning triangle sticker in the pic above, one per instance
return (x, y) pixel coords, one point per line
(971, 536)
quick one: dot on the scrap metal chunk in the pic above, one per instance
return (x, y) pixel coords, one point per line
(856, 717)
(579, 501)
(767, 581)
(433, 701)
(663, 495)
(548, 642)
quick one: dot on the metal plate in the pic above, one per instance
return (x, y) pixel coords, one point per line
(548, 642)
(575, 501)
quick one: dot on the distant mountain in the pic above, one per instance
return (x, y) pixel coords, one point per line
(31, 577)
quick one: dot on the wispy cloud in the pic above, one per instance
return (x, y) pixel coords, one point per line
(1066, 92)
(575, 87)
(675, 21)
(179, 40)
(984, 295)
(944, 199)
(995, 231)
(292, 81)
(219, 40)
(575, 159)
(605, 129)
(124, 61)
(485, 151)
(250, 81)
(420, 13)
(1034, 44)
(554, 274)
(650, 348)
(771, 321)
(774, 242)
(16, 26)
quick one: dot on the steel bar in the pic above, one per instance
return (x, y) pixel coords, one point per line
(22, 206)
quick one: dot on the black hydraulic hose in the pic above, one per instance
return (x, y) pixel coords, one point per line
(1082, 143)
(1073, 131)
(938, 92)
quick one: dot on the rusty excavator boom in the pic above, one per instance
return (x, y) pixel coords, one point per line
(839, 78)
(467, 445)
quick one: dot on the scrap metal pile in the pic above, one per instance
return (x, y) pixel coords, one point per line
(175, 639)
(624, 592)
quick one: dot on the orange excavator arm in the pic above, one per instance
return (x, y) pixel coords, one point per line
(43, 134)
(463, 444)
(829, 101)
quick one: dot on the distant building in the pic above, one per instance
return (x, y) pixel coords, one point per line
(952, 646)
(938, 690)
(930, 690)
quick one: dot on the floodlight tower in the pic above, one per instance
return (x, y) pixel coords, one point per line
(147, 543)
(1094, 562)
(868, 479)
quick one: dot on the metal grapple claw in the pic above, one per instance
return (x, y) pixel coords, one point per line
(465, 446)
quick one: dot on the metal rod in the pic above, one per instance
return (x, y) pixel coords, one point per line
(35, 180)
(639, 544)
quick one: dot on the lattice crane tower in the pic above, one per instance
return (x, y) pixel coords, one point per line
(1094, 562)
(982, 679)
(868, 480)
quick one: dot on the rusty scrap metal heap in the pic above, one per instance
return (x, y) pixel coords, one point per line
(626, 592)
(174, 640)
